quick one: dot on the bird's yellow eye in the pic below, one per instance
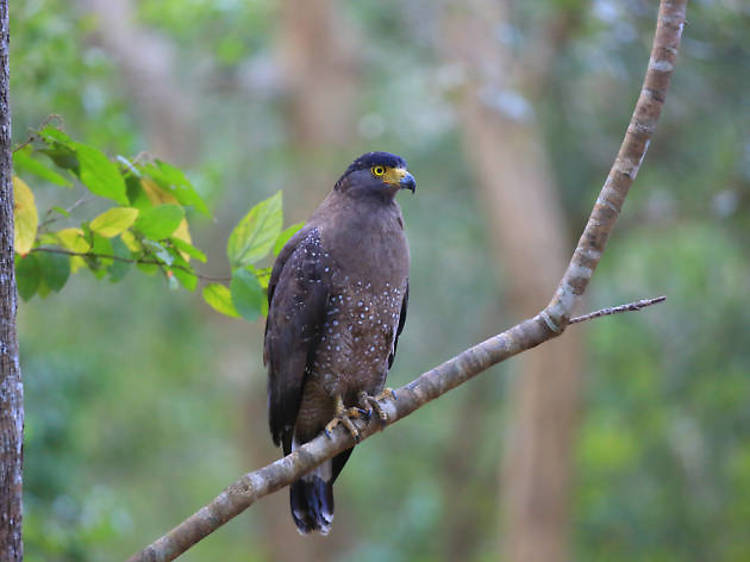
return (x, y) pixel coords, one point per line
(377, 170)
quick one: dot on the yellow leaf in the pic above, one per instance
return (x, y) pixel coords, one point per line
(131, 241)
(26, 217)
(114, 221)
(76, 263)
(73, 239)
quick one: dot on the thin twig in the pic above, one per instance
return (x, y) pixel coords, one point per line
(32, 137)
(200, 276)
(50, 219)
(548, 324)
(609, 311)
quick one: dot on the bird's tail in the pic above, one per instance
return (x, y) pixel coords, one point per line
(311, 500)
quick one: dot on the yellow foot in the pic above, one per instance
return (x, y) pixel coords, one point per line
(344, 417)
(372, 403)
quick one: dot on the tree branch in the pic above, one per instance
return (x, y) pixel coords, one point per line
(547, 324)
(200, 276)
(609, 311)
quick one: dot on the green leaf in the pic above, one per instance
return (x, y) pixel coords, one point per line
(72, 239)
(174, 181)
(60, 210)
(136, 195)
(182, 271)
(189, 249)
(60, 148)
(158, 251)
(119, 268)
(99, 174)
(101, 246)
(148, 268)
(284, 237)
(247, 294)
(22, 161)
(50, 135)
(262, 273)
(54, 269)
(220, 299)
(114, 221)
(255, 234)
(28, 275)
(159, 222)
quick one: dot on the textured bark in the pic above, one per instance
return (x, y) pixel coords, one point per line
(528, 235)
(544, 326)
(11, 387)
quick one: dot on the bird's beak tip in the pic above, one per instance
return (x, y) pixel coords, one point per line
(408, 182)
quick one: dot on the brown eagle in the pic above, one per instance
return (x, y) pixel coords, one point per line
(337, 303)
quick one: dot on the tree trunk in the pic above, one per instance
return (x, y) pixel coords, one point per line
(318, 64)
(11, 387)
(147, 61)
(317, 57)
(528, 235)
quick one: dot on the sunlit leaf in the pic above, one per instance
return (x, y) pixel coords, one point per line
(159, 222)
(255, 234)
(73, 239)
(60, 148)
(23, 161)
(26, 218)
(220, 299)
(189, 249)
(114, 221)
(99, 174)
(54, 269)
(284, 237)
(263, 274)
(247, 294)
(131, 241)
(174, 182)
(28, 275)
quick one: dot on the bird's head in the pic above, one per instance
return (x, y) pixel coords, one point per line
(378, 174)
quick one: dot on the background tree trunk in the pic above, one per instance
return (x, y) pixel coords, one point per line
(317, 59)
(148, 62)
(528, 234)
(11, 387)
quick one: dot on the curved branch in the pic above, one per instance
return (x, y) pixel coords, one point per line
(546, 325)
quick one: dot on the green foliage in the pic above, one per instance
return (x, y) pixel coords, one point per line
(247, 294)
(220, 299)
(147, 227)
(255, 235)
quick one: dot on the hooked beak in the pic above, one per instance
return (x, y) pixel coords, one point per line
(408, 182)
(402, 178)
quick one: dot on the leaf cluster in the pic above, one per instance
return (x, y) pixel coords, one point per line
(146, 226)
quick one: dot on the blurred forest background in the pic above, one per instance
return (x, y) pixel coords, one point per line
(626, 439)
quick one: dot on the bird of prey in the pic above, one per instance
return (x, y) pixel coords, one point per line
(337, 301)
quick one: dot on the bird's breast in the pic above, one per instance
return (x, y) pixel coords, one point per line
(357, 337)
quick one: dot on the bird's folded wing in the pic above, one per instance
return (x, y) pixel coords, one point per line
(297, 298)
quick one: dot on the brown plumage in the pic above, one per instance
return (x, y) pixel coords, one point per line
(337, 303)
